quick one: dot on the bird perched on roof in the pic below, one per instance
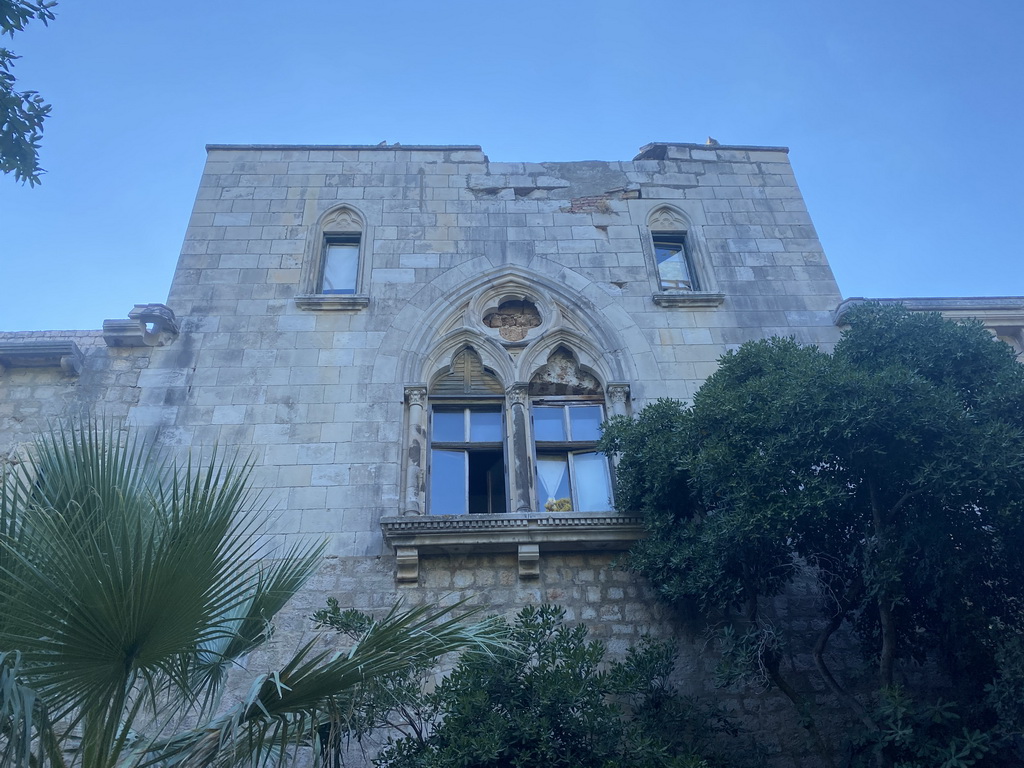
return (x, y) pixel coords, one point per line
(712, 142)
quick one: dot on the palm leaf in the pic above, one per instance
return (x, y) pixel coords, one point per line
(284, 710)
(118, 566)
(128, 587)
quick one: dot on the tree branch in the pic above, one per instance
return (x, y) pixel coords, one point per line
(885, 619)
(841, 693)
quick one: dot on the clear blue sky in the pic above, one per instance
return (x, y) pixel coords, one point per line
(905, 119)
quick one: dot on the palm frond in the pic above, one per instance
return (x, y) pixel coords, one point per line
(249, 624)
(118, 568)
(20, 715)
(284, 710)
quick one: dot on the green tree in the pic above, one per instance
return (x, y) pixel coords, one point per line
(21, 112)
(553, 700)
(130, 584)
(891, 472)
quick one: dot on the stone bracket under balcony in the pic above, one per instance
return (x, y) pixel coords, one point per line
(527, 534)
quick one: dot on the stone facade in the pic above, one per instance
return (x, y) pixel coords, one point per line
(393, 332)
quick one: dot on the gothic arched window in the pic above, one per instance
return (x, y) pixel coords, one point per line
(334, 276)
(567, 409)
(467, 440)
(683, 272)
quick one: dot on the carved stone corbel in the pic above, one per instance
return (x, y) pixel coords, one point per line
(42, 353)
(157, 322)
(529, 561)
(407, 565)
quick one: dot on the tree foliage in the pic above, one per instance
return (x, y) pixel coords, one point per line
(553, 701)
(890, 471)
(130, 584)
(22, 113)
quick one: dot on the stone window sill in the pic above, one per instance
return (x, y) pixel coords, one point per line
(527, 534)
(331, 302)
(694, 299)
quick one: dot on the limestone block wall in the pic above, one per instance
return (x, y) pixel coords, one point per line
(318, 394)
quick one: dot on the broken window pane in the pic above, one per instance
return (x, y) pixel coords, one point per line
(486, 483)
(674, 273)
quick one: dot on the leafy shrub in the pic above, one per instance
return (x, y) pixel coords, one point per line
(553, 701)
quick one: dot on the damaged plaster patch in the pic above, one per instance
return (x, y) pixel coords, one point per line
(562, 375)
(612, 289)
(513, 319)
(589, 204)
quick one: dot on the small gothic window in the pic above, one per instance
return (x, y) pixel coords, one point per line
(681, 273)
(336, 269)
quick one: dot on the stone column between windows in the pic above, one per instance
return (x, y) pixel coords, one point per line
(416, 397)
(617, 396)
(521, 478)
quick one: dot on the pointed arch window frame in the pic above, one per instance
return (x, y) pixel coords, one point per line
(526, 529)
(467, 394)
(342, 226)
(674, 227)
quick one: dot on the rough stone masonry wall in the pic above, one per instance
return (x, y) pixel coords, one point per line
(618, 608)
(33, 399)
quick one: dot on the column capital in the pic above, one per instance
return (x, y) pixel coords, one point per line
(416, 395)
(518, 393)
(618, 393)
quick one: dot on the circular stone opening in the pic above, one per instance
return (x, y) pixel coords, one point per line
(513, 319)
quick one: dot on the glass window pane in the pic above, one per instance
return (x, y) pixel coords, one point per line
(548, 423)
(448, 482)
(674, 274)
(553, 483)
(665, 251)
(340, 262)
(585, 422)
(449, 426)
(485, 426)
(673, 271)
(593, 485)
